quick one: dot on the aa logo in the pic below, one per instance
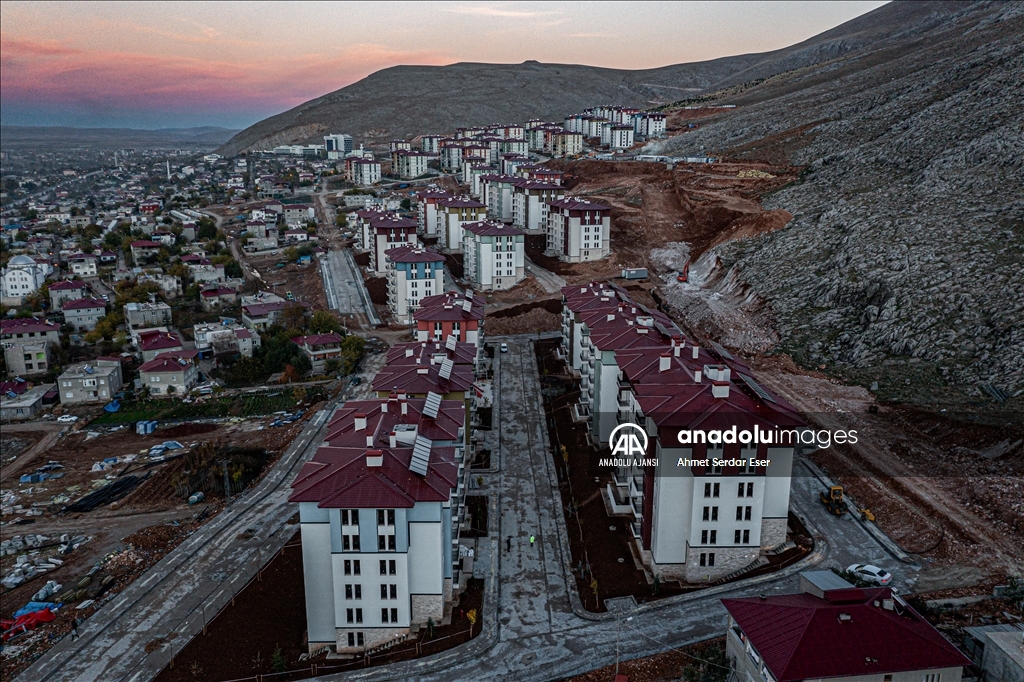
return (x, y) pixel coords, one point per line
(628, 440)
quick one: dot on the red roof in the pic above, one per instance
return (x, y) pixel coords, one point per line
(486, 228)
(573, 204)
(318, 339)
(413, 254)
(145, 244)
(27, 325)
(461, 202)
(449, 306)
(801, 636)
(66, 285)
(220, 291)
(84, 303)
(158, 340)
(167, 362)
(339, 478)
(382, 416)
(425, 353)
(419, 380)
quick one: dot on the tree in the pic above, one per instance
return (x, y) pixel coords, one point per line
(278, 663)
(341, 220)
(406, 203)
(294, 315)
(709, 665)
(324, 322)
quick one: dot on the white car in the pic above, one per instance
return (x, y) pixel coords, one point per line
(504, 348)
(67, 419)
(872, 574)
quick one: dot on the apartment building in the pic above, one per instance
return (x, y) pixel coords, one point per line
(413, 274)
(566, 143)
(83, 314)
(412, 164)
(494, 255)
(144, 315)
(364, 172)
(429, 201)
(27, 343)
(93, 382)
(388, 232)
(496, 190)
(153, 342)
(143, 249)
(530, 200)
(578, 230)
(700, 521)
(453, 213)
(451, 314)
(83, 265)
(380, 506)
(320, 348)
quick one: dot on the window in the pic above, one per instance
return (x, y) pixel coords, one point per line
(746, 537)
(353, 591)
(392, 567)
(351, 567)
(350, 543)
(384, 616)
(931, 677)
(714, 537)
(386, 590)
(746, 513)
(711, 560)
(707, 513)
(750, 489)
(707, 559)
(739, 490)
(385, 517)
(714, 513)
(355, 639)
(394, 615)
(386, 542)
(703, 537)
(737, 534)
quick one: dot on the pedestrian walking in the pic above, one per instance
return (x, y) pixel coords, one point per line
(532, 538)
(508, 544)
(74, 629)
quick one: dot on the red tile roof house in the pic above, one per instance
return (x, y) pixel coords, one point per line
(83, 314)
(218, 297)
(263, 315)
(66, 290)
(83, 264)
(170, 374)
(451, 314)
(380, 506)
(852, 635)
(141, 250)
(153, 343)
(319, 348)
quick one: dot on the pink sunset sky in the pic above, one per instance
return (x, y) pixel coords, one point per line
(167, 64)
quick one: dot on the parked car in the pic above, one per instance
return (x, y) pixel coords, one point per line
(872, 574)
(67, 419)
(504, 348)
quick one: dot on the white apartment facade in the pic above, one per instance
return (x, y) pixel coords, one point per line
(413, 274)
(494, 255)
(578, 230)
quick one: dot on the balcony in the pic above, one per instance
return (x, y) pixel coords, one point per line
(637, 507)
(580, 412)
(636, 488)
(619, 479)
(635, 529)
(624, 416)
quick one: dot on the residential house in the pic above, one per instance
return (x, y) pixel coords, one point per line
(297, 215)
(153, 342)
(848, 634)
(205, 272)
(320, 348)
(27, 343)
(225, 338)
(451, 314)
(83, 264)
(17, 406)
(413, 273)
(144, 249)
(145, 315)
(65, 290)
(264, 315)
(412, 164)
(93, 382)
(493, 255)
(215, 298)
(83, 314)
(578, 230)
(170, 374)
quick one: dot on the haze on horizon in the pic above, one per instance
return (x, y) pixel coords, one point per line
(160, 65)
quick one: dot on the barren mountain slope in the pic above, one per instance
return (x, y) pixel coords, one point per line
(405, 101)
(903, 262)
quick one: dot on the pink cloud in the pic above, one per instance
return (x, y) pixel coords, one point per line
(44, 72)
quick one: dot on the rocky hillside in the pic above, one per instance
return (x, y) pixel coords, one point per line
(904, 261)
(405, 101)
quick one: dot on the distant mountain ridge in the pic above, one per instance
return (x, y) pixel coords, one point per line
(206, 136)
(405, 101)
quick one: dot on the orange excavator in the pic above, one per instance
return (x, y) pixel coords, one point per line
(684, 274)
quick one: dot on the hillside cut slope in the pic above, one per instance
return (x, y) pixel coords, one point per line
(904, 261)
(405, 101)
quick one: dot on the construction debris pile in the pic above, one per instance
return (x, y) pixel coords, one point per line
(37, 561)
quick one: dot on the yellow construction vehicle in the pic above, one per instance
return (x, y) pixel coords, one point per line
(833, 500)
(866, 514)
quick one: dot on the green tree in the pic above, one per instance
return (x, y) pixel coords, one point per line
(278, 663)
(324, 322)
(709, 665)
(341, 220)
(406, 203)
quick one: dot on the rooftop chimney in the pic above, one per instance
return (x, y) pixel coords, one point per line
(696, 352)
(374, 458)
(393, 439)
(720, 388)
(360, 421)
(666, 362)
(696, 376)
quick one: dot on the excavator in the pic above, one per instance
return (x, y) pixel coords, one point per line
(684, 274)
(833, 500)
